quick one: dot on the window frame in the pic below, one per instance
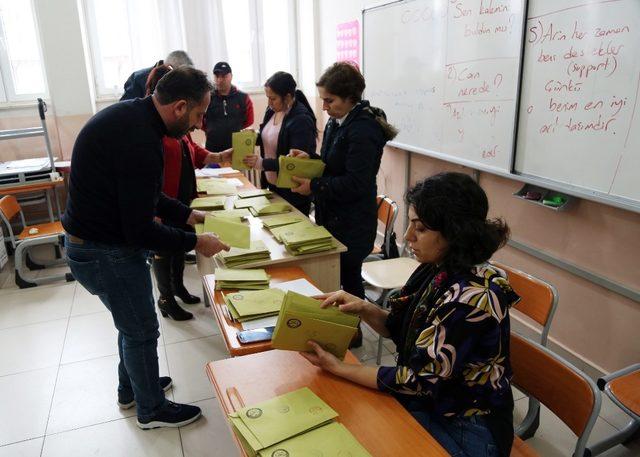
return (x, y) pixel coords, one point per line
(8, 95)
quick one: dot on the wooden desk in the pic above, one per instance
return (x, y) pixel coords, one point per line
(35, 186)
(376, 419)
(230, 329)
(322, 267)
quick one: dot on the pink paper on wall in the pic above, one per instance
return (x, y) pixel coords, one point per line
(348, 42)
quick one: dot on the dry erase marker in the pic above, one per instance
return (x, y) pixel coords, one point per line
(554, 201)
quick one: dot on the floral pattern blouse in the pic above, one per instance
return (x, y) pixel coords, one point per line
(452, 334)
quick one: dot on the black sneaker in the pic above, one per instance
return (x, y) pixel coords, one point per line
(171, 415)
(126, 401)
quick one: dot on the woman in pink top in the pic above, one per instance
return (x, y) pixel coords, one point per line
(289, 123)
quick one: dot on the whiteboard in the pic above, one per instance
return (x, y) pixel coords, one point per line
(446, 73)
(579, 120)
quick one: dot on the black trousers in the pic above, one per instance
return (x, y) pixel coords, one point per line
(351, 270)
(168, 268)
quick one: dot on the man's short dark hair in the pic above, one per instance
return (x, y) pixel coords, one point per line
(184, 83)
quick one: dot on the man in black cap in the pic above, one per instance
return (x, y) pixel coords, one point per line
(230, 110)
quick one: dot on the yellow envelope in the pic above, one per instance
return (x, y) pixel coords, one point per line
(243, 144)
(251, 202)
(330, 439)
(301, 319)
(233, 233)
(302, 168)
(272, 421)
(208, 203)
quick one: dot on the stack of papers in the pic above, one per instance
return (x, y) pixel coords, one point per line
(243, 144)
(229, 278)
(251, 202)
(238, 256)
(214, 172)
(284, 219)
(257, 304)
(236, 234)
(306, 240)
(203, 183)
(293, 424)
(221, 189)
(208, 203)
(271, 208)
(302, 168)
(301, 319)
(254, 193)
(233, 214)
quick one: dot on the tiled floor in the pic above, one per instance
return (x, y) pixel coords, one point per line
(58, 379)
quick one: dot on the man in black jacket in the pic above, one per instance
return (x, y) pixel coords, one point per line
(135, 85)
(230, 110)
(114, 196)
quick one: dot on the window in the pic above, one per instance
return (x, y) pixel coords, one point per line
(126, 36)
(260, 37)
(21, 70)
(256, 37)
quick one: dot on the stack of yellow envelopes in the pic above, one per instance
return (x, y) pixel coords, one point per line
(203, 183)
(254, 193)
(294, 424)
(301, 319)
(237, 215)
(271, 208)
(251, 202)
(238, 256)
(208, 203)
(306, 240)
(296, 226)
(236, 234)
(280, 220)
(249, 279)
(294, 166)
(254, 304)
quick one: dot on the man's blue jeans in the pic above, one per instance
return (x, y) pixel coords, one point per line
(120, 276)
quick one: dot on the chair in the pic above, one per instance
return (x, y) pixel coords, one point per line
(570, 394)
(388, 274)
(538, 301)
(623, 388)
(32, 235)
(387, 215)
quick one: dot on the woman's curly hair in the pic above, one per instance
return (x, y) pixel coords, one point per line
(456, 206)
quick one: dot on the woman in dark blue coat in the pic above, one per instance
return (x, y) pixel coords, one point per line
(345, 196)
(289, 123)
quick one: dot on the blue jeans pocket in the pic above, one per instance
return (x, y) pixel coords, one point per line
(87, 272)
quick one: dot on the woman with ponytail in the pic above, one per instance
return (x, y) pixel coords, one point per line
(450, 322)
(289, 123)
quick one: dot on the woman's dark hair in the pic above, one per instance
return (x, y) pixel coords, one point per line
(456, 206)
(283, 84)
(183, 83)
(344, 80)
(156, 75)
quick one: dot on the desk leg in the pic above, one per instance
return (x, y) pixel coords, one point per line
(49, 206)
(55, 194)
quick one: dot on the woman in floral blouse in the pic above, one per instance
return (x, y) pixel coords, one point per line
(450, 323)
